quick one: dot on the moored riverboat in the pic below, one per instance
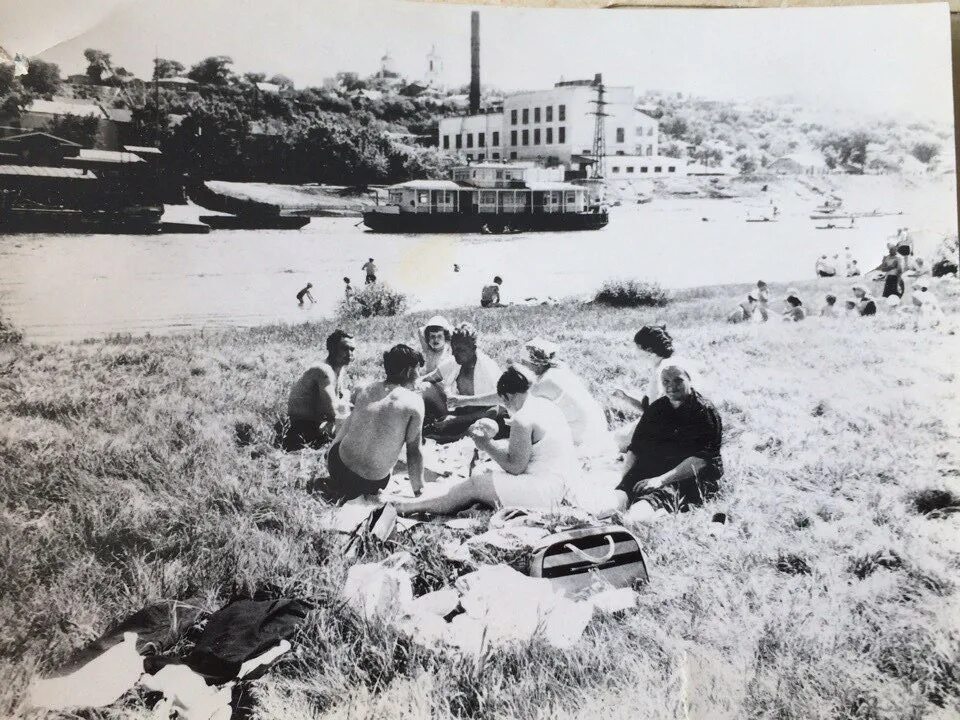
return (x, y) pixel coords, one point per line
(488, 197)
(48, 184)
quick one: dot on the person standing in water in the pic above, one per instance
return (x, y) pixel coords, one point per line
(305, 293)
(370, 268)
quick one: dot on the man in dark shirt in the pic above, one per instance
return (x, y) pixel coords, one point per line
(673, 460)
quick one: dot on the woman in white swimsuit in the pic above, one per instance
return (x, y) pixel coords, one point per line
(536, 464)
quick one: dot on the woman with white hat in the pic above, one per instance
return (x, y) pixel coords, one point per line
(435, 340)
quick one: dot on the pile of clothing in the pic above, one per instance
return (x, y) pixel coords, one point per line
(237, 643)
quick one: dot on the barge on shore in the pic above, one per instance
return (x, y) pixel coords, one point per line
(49, 184)
(488, 197)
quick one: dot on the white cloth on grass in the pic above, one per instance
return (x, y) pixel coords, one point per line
(98, 683)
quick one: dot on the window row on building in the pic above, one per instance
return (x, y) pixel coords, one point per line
(480, 157)
(461, 140)
(546, 137)
(524, 114)
(629, 169)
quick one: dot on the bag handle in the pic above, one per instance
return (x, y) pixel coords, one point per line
(611, 549)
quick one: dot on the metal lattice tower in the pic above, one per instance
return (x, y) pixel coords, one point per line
(599, 134)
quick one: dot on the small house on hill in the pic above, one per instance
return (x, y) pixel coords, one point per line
(37, 148)
(113, 124)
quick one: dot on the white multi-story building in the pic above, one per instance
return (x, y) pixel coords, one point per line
(555, 127)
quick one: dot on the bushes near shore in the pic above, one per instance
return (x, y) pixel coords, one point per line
(374, 300)
(631, 293)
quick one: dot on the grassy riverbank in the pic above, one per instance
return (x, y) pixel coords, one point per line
(134, 470)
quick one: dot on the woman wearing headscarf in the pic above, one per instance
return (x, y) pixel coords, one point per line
(557, 383)
(673, 461)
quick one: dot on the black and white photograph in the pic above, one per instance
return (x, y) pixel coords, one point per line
(407, 359)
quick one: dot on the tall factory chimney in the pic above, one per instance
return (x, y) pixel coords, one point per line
(474, 62)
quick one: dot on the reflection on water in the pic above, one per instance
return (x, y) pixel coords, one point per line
(68, 287)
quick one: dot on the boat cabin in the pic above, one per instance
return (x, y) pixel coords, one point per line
(491, 189)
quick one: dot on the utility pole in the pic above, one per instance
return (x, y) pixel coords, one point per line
(599, 130)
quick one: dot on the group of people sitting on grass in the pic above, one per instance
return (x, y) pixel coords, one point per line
(537, 421)
(898, 265)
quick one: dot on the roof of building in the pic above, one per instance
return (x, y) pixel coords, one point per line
(28, 135)
(43, 171)
(176, 81)
(142, 150)
(117, 114)
(268, 87)
(427, 185)
(63, 107)
(107, 156)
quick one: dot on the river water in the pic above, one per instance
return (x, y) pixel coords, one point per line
(70, 287)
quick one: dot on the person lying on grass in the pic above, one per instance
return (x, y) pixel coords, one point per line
(319, 399)
(475, 380)
(673, 462)
(387, 415)
(535, 464)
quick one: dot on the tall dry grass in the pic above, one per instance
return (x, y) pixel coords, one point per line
(133, 470)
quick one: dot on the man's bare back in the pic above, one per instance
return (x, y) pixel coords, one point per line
(384, 419)
(316, 395)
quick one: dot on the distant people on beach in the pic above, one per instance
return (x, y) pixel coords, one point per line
(853, 269)
(744, 312)
(892, 266)
(866, 305)
(829, 308)
(929, 312)
(370, 272)
(387, 417)
(305, 293)
(347, 289)
(763, 300)
(320, 399)
(490, 294)
(795, 311)
(475, 380)
(535, 466)
(945, 257)
(824, 268)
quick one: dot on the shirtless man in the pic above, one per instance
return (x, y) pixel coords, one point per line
(318, 400)
(490, 294)
(387, 415)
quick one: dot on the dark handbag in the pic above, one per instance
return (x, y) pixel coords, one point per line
(576, 559)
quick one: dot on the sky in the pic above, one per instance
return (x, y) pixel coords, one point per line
(878, 60)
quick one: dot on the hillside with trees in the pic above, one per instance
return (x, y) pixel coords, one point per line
(751, 136)
(213, 123)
